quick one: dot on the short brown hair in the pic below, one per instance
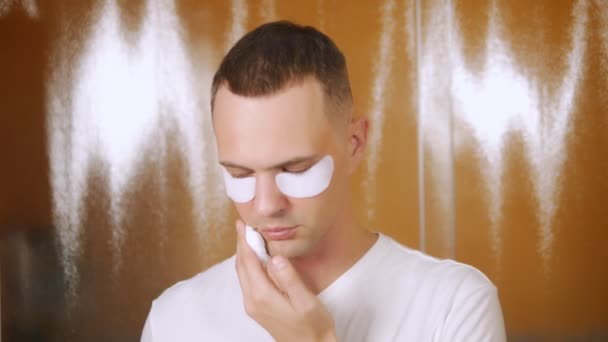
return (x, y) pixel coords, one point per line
(281, 53)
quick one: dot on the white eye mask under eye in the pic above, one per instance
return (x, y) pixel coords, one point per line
(240, 190)
(309, 183)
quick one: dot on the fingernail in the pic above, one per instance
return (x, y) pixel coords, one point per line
(279, 262)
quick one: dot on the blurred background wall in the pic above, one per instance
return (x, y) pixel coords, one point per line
(487, 144)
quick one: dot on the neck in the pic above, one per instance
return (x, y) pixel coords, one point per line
(341, 247)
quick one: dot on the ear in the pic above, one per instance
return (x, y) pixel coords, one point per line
(358, 141)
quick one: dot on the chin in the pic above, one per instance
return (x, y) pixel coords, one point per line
(289, 249)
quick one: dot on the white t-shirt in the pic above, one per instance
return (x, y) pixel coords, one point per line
(392, 293)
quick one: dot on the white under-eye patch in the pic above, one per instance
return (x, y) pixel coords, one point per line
(256, 242)
(309, 183)
(240, 190)
(305, 184)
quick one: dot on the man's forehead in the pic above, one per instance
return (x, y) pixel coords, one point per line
(259, 133)
(265, 151)
(303, 90)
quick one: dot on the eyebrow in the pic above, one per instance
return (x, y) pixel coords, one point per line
(290, 162)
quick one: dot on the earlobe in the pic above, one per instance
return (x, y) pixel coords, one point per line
(359, 135)
(358, 139)
(353, 145)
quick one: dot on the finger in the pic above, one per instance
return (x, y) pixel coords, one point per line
(252, 274)
(245, 253)
(238, 225)
(287, 279)
(239, 263)
(275, 281)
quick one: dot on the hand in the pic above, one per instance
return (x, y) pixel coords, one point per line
(277, 298)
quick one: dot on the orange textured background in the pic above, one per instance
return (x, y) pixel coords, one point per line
(487, 145)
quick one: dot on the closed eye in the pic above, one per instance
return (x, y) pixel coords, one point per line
(239, 173)
(295, 171)
(241, 176)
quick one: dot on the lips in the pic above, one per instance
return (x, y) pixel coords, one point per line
(278, 233)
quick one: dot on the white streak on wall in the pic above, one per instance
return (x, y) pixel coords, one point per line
(435, 122)
(268, 11)
(502, 98)
(239, 12)
(29, 6)
(124, 96)
(602, 5)
(321, 14)
(420, 137)
(382, 71)
(5, 7)
(410, 29)
(547, 139)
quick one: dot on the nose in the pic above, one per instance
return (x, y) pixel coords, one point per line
(268, 200)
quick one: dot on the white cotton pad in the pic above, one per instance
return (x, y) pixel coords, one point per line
(309, 183)
(256, 242)
(240, 190)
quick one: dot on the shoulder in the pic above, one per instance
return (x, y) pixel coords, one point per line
(191, 307)
(191, 292)
(440, 275)
(455, 301)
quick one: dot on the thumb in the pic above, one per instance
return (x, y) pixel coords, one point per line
(287, 279)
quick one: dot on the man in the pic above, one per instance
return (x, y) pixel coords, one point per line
(282, 115)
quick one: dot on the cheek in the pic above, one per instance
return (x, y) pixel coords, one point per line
(246, 213)
(318, 211)
(336, 196)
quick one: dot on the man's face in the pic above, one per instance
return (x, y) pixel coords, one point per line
(289, 131)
